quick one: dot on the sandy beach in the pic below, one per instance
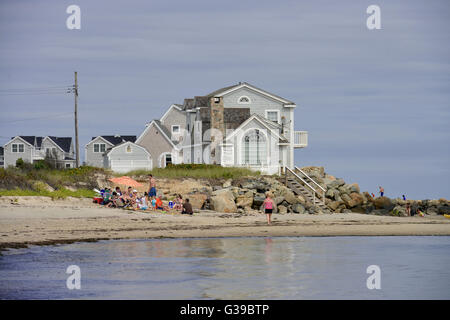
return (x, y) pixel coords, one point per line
(42, 221)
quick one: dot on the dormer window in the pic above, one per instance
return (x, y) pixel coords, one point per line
(244, 100)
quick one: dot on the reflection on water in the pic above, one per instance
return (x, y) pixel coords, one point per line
(232, 268)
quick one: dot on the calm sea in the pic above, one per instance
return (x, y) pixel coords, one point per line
(232, 268)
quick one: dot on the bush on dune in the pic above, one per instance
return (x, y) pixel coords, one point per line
(209, 171)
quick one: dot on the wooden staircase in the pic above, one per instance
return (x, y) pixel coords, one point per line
(302, 184)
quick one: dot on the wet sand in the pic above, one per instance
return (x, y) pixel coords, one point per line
(41, 221)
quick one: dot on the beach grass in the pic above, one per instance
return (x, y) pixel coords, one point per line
(195, 171)
(57, 194)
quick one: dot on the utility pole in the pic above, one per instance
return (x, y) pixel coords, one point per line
(75, 91)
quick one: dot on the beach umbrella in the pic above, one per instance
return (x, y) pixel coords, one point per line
(127, 181)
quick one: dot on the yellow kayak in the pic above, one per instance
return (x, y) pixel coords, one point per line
(447, 215)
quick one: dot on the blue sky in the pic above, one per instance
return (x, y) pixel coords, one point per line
(375, 102)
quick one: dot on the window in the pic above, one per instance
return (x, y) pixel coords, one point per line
(273, 115)
(175, 129)
(216, 99)
(254, 149)
(244, 100)
(99, 147)
(128, 148)
(68, 165)
(18, 147)
(168, 159)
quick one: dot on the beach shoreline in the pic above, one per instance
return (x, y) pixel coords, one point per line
(40, 221)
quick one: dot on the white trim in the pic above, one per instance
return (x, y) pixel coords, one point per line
(168, 111)
(26, 142)
(247, 97)
(248, 86)
(273, 110)
(138, 140)
(162, 158)
(100, 138)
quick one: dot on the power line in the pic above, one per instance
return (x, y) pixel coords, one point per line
(38, 118)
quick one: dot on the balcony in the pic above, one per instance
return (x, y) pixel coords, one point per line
(300, 139)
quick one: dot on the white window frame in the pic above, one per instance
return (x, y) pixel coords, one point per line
(278, 115)
(99, 147)
(18, 147)
(176, 126)
(244, 102)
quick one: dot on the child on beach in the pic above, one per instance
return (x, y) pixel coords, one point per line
(268, 208)
(179, 203)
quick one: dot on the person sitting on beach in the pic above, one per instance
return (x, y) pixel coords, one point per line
(118, 191)
(142, 202)
(160, 205)
(268, 207)
(106, 197)
(187, 208)
(115, 201)
(178, 203)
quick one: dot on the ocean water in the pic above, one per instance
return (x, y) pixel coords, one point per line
(232, 268)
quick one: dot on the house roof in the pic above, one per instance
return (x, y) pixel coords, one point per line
(31, 140)
(116, 139)
(126, 142)
(63, 142)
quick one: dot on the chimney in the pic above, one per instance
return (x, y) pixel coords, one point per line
(217, 123)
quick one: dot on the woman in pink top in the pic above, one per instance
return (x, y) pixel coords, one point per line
(268, 208)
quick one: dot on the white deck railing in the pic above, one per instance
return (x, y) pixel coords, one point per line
(300, 139)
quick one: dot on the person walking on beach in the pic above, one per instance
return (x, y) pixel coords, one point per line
(152, 191)
(268, 208)
(381, 191)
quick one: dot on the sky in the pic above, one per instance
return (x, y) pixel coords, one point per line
(374, 102)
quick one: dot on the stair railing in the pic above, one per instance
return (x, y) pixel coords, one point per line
(313, 191)
(314, 182)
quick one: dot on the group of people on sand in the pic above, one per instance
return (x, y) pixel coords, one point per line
(149, 201)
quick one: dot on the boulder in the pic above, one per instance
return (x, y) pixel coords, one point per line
(282, 209)
(227, 183)
(223, 201)
(336, 183)
(443, 209)
(245, 200)
(349, 203)
(258, 199)
(357, 198)
(197, 200)
(298, 208)
(383, 203)
(354, 187)
(278, 200)
(289, 196)
(334, 205)
(399, 211)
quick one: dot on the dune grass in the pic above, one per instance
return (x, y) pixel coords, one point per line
(195, 171)
(57, 194)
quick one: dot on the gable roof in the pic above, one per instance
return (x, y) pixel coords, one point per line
(264, 123)
(226, 90)
(173, 106)
(165, 132)
(115, 140)
(63, 142)
(127, 142)
(30, 140)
